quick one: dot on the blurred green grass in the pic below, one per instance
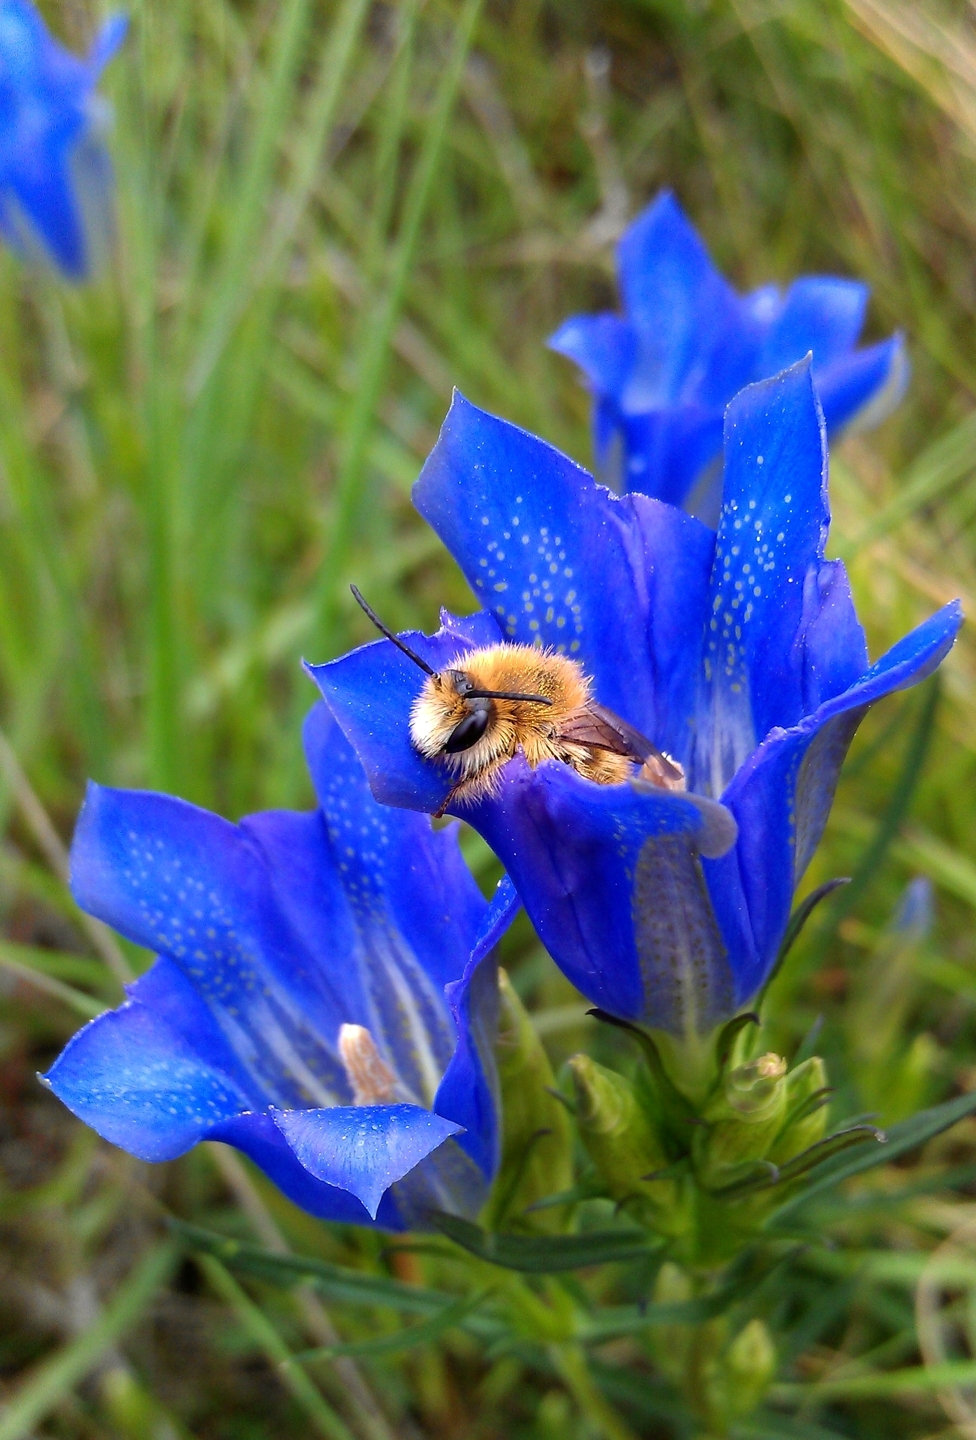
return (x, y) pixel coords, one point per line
(329, 214)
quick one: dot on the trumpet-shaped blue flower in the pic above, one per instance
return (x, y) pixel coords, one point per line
(738, 653)
(55, 173)
(324, 997)
(663, 372)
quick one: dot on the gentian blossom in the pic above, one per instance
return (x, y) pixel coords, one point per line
(55, 173)
(663, 372)
(738, 653)
(324, 997)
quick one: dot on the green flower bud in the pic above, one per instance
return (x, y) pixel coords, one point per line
(805, 1122)
(673, 1343)
(537, 1145)
(742, 1121)
(743, 1374)
(754, 1090)
(623, 1143)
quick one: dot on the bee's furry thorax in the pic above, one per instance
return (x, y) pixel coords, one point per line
(526, 725)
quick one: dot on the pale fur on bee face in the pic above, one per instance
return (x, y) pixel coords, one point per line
(504, 726)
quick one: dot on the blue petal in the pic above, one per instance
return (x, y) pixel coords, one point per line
(611, 581)
(915, 913)
(208, 894)
(860, 390)
(55, 176)
(370, 692)
(172, 998)
(139, 1083)
(257, 1135)
(24, 41)
(41, 211)
(363, 1149)
(771, 532)
(608, 444)
(666, 450)
(830, 640)
(782, 797)
(681, 306)
(603, 346)
(610, 878)
(468, 1091)
(398, 871)
(107, 42)
(818, 313)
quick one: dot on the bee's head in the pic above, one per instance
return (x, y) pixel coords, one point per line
(452, 712)
(475, 707)
(461, 691)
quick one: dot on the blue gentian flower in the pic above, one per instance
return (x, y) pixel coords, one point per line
(663, 372)
(324, 998)
(738, 653)
(55, 173)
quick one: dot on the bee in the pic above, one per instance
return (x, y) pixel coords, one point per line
(487, 704)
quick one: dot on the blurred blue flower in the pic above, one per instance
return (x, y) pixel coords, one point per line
(324, 998)
(663, 373)
(738, 653)
(55, 173)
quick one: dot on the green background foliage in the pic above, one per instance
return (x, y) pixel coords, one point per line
(330, 214)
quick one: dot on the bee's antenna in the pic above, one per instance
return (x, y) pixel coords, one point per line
(506, 695)
(389, 633)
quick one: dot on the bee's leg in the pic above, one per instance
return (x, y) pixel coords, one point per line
(451, 796)
(662, 771)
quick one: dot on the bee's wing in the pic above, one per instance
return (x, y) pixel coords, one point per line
(593, 724)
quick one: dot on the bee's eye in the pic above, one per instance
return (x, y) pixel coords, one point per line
(467, 732)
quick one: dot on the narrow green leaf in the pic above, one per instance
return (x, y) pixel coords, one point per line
(730, 1032)
(902, 793)
(917, 1380)
(10, 959)
(320, 1413)
(379, 325)
(48, 1384)
(799, 918)
(675, 1105)
(765, 1175)
(409, 1338)
(808, 1045)
(253, 196)
(783, 1427)
(831, 1145)
(337, 1281)
(944, 463)
(750, 1270)
(546, 1254)
(907, 1135)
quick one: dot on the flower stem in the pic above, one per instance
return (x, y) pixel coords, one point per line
(569, 1361)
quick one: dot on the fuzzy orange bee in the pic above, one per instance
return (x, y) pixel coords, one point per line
(487, 704)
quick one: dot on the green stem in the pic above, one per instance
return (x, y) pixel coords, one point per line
(569, 1361)
(704, 1340)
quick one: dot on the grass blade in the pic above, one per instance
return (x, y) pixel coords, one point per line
(52, 1380)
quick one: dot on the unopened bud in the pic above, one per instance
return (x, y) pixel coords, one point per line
(753, 1090)
(622, 1141)
(806, 1117)
(536, 1160)
(673, 1340)
(743, 1374)
(742, 1121)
